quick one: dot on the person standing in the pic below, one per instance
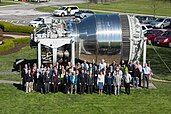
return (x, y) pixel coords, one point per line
(66, 82)
(29, 80)
(90, 82)
(139, 74)
(117, 82)
(23, 76)
(128, 79)
(146, 75)
(74, 79)
(109, 83)
(100, 81)
(47, 80)
(55, 80)
(82, 81)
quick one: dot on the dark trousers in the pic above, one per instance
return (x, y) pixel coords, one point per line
(127, 88)
(82, 89)
(90, 89)
(109, 89)
(66, 88)
(55, 87)
(47, 86)
(139, 76)
(146, 78)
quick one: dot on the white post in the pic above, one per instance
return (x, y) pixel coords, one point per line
(54, 56)
(39, 55)
(73, 52)
(144, 50)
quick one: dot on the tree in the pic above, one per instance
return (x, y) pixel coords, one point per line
(155, 6)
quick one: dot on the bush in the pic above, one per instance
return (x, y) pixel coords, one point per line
(8, 27)
(7, 45)
(22, 41)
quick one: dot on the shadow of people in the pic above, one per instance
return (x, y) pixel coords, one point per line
(18, 86)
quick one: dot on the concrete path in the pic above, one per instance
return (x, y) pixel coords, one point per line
(9, 82)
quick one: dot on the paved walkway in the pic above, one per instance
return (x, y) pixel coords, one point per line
(9, 82)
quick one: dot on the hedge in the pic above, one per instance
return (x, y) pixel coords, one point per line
(7, 45)
(22, 41)
(9, 27)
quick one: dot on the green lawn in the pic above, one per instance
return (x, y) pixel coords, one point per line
(144, 101)
(7, 2)
(126, 6)
(6, 62)
(157, 65)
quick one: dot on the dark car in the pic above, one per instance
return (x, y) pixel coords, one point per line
(84, 13)
(145, 19)
(152, 34)
(164, 39)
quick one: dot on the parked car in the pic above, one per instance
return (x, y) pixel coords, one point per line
(62, 11)
(161, 23)
(84, 13)
(145, 19)
(41, 20)
(152, 34)
(39, 0)
(145, 28)
(164, 39)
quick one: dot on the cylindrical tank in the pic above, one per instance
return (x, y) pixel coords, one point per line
(103, 35)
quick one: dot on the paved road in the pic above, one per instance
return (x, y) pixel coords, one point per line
(23, 13)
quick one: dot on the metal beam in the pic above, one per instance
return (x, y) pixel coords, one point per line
(39, 55)
(73, 52)
(54, 56)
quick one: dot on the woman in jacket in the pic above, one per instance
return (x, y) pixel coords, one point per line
(100, 82)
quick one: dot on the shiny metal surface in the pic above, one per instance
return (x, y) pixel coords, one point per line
(100, 34)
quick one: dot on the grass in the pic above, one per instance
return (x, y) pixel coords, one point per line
(11, 77)
(6, 61)
(140, 101)
(157, 65)
(47, 9)
(163, 8)
(7, 2)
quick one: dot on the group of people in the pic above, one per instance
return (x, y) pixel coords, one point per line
(85, 77)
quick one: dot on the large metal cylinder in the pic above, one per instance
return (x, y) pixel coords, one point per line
(104, 34)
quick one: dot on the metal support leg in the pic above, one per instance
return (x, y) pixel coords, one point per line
(39, 55)
(144, 51)
(73, 53)
(54, 56)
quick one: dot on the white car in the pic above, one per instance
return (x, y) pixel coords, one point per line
(63, 11)
(41, 20)
(160, 23)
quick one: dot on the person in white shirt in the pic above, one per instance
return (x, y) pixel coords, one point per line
(100, 82)
(102, 65)
(117, 80)
(146, 74)
(128, 79)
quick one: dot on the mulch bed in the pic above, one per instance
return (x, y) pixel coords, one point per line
(17, 47)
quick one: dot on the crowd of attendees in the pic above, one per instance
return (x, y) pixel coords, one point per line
(85, 77)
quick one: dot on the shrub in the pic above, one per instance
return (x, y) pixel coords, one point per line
(7, 45)
(8, 27)
(22, 41)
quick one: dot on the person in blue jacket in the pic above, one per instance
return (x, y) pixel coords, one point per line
(74, 80)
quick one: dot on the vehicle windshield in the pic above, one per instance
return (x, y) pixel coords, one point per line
(159, 20)
(167, 33)
(38, 19)
(62, 8)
